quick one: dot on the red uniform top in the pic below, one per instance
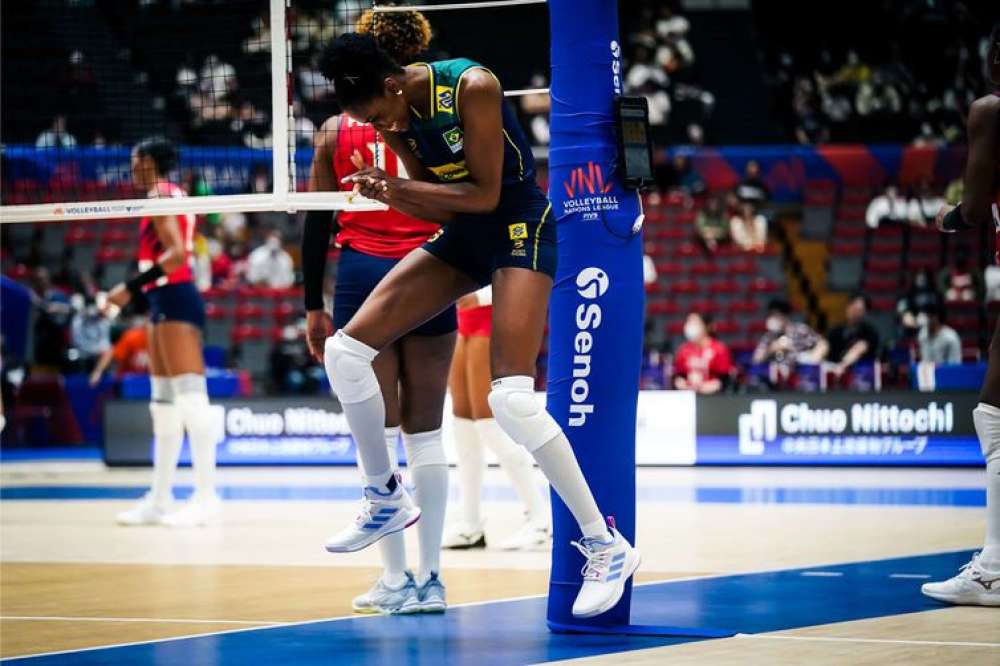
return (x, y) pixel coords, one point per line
(386, 233)
(698, 363)
(150, 247)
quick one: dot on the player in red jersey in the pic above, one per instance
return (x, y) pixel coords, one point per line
(476, 429)
(412, 372)
(978, 583)
(179, 397)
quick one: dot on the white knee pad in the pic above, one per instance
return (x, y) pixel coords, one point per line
(424, 449)
(520, 414)
(191, 399)
(161, 389)
(987, 421)
(349, 368)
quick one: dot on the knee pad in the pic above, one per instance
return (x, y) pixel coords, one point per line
(987, 421)
(424, 449)
(349, 368)
(519, 413)
(161, 389)
(190, 391)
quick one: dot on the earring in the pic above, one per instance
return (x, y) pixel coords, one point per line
(399, 92)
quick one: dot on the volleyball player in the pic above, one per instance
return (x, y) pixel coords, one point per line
(472, 169)
(476, 429)
(978, 583)
(179, 399)
(412, 371)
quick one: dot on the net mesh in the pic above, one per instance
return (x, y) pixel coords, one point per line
(83, 80)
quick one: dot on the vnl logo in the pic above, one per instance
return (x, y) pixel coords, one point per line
(758, 427)
(586, 180)
(591, 284)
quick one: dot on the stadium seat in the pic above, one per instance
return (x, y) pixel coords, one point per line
(844, 273)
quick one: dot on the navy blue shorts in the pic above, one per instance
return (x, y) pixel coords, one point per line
(520, 233)
(176, 302)
(357, 275)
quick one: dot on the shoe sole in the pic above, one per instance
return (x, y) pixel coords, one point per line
(981, 600)
(409, 521)
(365, 610)
(477, 544)
(608, 605)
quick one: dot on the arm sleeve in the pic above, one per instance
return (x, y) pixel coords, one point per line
(315, 245)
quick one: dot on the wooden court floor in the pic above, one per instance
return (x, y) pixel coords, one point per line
(70, 579)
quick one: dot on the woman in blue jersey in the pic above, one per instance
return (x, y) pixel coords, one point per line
(470, 169)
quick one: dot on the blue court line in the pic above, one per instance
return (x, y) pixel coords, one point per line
(959, 497)
(514, 632)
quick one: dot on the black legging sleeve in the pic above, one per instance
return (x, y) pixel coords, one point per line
(315, 245)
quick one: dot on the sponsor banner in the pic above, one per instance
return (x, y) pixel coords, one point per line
(893, 428)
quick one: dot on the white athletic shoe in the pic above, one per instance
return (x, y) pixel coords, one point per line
(146, 512)
(533, 535)
(382, 598)
(462, 536)
(973, 586)
(427, 598)
(380, 514)
(198, 511)
(608, 567)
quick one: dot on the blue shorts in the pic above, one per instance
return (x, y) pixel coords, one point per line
(520, 233)
(357, 275)
(176, 302)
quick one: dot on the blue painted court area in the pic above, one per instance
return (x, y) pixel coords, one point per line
(959, 497)
(514, 632)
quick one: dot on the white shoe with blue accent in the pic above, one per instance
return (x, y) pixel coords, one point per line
(381, 514)
(383, 598)
(609, 565)
(429, 597)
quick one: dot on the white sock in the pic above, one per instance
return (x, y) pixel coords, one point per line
(191, 398)
(471, 465)
(349, 368)
(168, 434)
(561, 468)
(429, 472)
(517, 463)
(987, 421)
(392, 548)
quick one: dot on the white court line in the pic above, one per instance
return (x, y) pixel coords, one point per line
(163, 620)
(844, 639)
(822, 574)
(905, 575)
(456, 5)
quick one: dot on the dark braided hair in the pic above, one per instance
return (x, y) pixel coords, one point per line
(357, 67)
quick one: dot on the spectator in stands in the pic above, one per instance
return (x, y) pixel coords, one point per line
(291, 366)
(788, 342)
(991, 283)
(259, 40)
(939, 343)
(855, 340)
(921, 295)
(536, 111)
(130, 352)
(888, 207)
(711, 224)
(702, 364)
(924, 206)
(684, 178)
(90, 332)
(959, 279)
(217, 78)
(51, 322)
(753, 188)
(313, 86)
(56, 136)
(748, 228)
(648, 265)
(270, 265)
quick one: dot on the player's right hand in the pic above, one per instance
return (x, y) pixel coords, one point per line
(319, 326)
(939, 218)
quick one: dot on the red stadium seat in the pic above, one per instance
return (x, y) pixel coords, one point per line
(669, 268)
(891, 264)
(881, 283)
(704, 269)
(742, 266)
(248, 312)
(685, 287)
(883, 303)
(724, 287)
(662, 308)
(284, 311)
(727, 327)
(111, 253)
(706, 306)
(762, 285)
(745, 307)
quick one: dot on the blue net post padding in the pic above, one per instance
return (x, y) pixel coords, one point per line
(596, 314)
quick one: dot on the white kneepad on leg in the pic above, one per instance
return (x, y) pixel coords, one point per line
(191, 395)
(520, 414)
(349, 368)
(986, 418)
(424, 449)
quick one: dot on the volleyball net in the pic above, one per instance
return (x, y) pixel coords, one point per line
(235, 84)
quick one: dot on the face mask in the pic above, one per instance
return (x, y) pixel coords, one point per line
(273, 243)
(693, 331)
(922, 320)
(774, 324)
